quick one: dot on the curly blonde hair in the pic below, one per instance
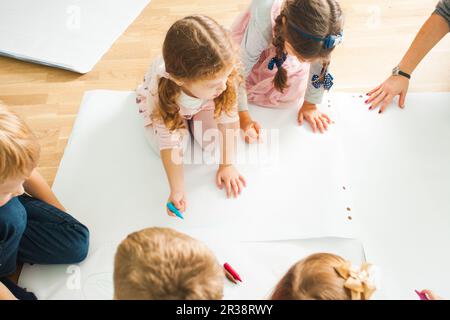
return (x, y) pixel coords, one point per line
(195, 48)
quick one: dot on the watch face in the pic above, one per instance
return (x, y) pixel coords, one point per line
(395, 71)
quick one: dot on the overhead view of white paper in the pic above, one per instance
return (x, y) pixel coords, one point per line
(380, 178)
(400, 182)
(113, 181)
(67, 34)
(260, 265)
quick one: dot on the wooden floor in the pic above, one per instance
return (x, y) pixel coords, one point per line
(376, 36)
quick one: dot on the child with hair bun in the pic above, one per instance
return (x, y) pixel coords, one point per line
(325, 276)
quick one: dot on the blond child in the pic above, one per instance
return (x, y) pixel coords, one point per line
(193, 90)
(34, 227)
(325, 276)
(163, 264)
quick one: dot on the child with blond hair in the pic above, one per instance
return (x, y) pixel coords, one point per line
(163, 264)
(325, 276)
(34, 227)
(194, 90)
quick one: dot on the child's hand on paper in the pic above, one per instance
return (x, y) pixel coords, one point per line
(316, 119)
(431, 295)
(249, 127)
(385, 92)
(228, 176)
(179, 201)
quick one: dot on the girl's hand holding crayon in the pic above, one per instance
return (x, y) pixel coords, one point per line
(228, 176)
(316, 119)
(179, 201)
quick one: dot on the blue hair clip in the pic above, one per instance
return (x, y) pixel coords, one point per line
(326, 81)
(275, 61)
(329, 41)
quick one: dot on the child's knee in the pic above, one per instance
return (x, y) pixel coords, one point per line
(13, 220)
(78, 247)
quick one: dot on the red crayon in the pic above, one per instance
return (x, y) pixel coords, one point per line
(421, 295)
(232, 272)
(229, 276)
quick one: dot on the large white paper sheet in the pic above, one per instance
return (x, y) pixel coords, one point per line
(260, 264)
(68, 34)
(113, 181)
(398, 177)
(400, 181)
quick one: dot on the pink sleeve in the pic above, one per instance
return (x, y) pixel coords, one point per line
(147, 92)
(166, 139)
(144, 100)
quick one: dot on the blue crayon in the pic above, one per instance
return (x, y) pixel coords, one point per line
(172, 208)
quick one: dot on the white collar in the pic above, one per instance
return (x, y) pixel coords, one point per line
(187, 102)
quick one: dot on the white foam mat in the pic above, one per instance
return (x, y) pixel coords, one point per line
(399, 174)
(67, 34)
(394, 167)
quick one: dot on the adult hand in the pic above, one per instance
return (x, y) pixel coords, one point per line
(385, 92)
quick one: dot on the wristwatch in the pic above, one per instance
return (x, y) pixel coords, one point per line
(397, 72)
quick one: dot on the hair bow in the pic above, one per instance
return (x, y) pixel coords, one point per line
(357, 281)
(275, 61)
(326, 81)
